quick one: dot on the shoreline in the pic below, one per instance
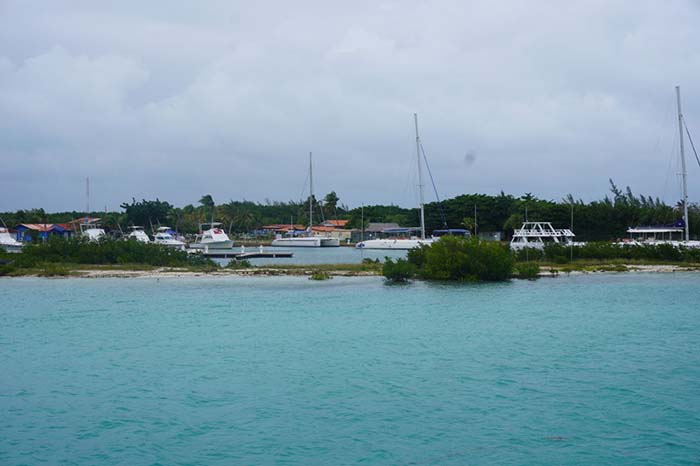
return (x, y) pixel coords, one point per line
(337, 270)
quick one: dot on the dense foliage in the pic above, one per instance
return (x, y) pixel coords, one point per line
(605, 219)
(398, 271)
(73, 251)
(560, 254)
(454, 258)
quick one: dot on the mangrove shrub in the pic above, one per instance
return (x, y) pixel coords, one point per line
(462, 259)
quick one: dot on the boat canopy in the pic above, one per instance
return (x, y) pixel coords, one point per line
(452, 231)
(676, 227)
(400, 230)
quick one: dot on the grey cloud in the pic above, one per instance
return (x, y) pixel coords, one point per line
(173, 101)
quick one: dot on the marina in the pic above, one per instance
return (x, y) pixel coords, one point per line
(513, 281)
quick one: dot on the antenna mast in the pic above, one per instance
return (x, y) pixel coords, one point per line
(311, 193)
(87, 199)
(420, 181)
(684, 173)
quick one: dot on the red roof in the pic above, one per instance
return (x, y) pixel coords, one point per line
(336, 223)
(37, 226)
(326, 229)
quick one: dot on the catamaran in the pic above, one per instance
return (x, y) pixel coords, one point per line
(212, 237)
(537, 235)
(137, 233)
(164, 237)
(308, 240)
(8, 243)
(414, 241)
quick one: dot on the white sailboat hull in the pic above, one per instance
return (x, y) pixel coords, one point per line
(401, 244)
(330, 242)
(306, 242)
(224, 244)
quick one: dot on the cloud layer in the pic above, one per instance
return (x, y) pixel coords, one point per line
(228, 98)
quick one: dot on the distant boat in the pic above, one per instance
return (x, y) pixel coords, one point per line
(405, 243)
(91, 230)
(8, 243)
(165, 238)
(677, 234)
(137, 233)
(212, 237)
(537, 235)
(308, 240)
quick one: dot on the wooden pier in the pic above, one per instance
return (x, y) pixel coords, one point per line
(242, 253)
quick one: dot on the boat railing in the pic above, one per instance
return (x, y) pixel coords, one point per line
(543, 233)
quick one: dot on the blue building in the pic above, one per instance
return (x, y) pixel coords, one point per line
(28, 231)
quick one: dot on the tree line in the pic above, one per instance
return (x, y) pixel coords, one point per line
(603, 219)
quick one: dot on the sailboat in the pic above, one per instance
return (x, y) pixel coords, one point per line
(90, 228)
(309, 240)
(406, 243)
(677, 234)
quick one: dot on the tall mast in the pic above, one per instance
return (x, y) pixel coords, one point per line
(684, 173)
(311, 193)
(87, 199)
(420, 180)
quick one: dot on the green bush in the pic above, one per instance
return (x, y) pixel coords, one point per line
(527, 270)
(561, 254)
(51, 269)
(239, 264)
(462, 259)
(7, 269)
(400, 271)
(320, 275)
(106, 252)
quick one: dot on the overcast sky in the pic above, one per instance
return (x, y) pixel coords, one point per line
(177, 99)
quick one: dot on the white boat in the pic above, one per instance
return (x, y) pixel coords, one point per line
(137, 233)
(405, 243)
(165, 238)
(212, 237)
(677, 234)
(537, 235)
(308, 240)
(8, 243)
(659, 234)
(396, 243)
(92, 231)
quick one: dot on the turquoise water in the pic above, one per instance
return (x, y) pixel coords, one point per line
(598, 369)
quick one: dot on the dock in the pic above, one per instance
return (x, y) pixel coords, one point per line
(242, 253)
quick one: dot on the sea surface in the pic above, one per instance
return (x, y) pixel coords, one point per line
(594, 369)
